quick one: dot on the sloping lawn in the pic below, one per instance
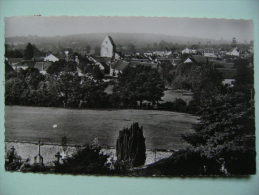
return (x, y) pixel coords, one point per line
(162, 129)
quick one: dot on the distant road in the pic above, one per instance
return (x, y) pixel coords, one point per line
(162, 129)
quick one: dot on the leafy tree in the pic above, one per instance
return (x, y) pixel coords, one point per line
(16, 91)
(31, 51)
(8, 67)
(185, 76)
(56, 67)
(178, 105)
(69, 88)
(206, 84)
(95, 71)
(164, 70)
(138, 84)
(88, 160)
(92, 93)
(181, 163)
(33, 77)
(47, 94)
(130, 146)
(227, 123)
(61, 65)
(70, 66)
(13, 53)
(244, 79)
(28, 52)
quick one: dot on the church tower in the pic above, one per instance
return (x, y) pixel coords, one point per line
(108, 47)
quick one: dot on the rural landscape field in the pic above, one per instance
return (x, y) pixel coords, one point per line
(162, 129)
(125, 98)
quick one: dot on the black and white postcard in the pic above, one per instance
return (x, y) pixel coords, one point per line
(129, 96)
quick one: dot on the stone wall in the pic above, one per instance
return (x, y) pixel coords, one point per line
(48, 152)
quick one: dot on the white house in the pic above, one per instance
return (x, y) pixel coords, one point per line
(188, 51)
(108, 47)
(51, 58)
(209, 55)
(229, 82)
(162, 53)
(234, 52)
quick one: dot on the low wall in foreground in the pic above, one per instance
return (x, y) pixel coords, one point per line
(48, 151)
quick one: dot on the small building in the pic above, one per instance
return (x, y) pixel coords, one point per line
(229, 82)
(162, 53)
(234, 52)
(189, 51)
(209, 55)
(51, 58)
(188, 61)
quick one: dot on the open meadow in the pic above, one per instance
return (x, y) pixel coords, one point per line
(162, 129)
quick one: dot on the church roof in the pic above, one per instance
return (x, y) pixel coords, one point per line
(111, 40)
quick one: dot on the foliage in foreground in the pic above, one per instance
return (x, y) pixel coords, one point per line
(89, 160)
(130, 146)
(226, 131)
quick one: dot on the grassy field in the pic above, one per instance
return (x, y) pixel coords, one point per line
(162, 129)
(171, 95)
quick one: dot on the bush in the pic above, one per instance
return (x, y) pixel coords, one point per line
(184, 162)
(240, 162)
(130, 146)
(88, 160)
(178, 105)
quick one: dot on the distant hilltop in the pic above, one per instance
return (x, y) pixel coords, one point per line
(95, 39)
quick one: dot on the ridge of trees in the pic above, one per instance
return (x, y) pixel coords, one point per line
(224, 140)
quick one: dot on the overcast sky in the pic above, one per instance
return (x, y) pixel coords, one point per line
(66, 25)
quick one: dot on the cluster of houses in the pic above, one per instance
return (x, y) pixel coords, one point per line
(112, 63)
